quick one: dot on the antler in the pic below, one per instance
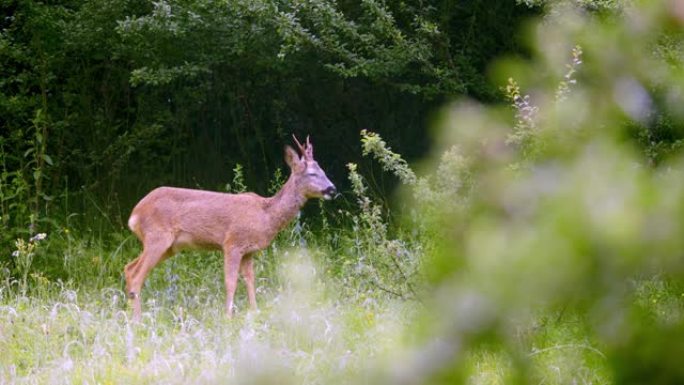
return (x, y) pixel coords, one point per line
(301, 148)
(307, 149)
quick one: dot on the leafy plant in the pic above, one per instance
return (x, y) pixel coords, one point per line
(23, 255)
(238, 185)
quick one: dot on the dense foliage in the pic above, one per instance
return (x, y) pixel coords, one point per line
(103, 100)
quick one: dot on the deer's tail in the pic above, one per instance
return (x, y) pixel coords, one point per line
(134, 223)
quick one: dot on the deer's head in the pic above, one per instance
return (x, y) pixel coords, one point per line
(309, 176)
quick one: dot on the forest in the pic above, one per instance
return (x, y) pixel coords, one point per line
(509, 204)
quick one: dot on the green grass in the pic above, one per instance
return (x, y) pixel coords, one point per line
(314, 325)
(64, 333)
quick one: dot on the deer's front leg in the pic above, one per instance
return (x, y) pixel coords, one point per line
(247, 271)
(232, 258)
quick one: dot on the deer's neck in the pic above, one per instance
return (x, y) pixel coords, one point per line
(285, 204)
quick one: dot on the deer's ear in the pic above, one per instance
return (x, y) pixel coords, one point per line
(292, 158)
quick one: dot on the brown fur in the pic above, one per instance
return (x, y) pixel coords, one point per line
(170, 219)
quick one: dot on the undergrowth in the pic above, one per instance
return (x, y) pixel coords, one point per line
(301, 334)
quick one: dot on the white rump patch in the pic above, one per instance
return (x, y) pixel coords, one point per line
(133, 222)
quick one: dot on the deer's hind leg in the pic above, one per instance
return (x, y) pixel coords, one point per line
(156, 247)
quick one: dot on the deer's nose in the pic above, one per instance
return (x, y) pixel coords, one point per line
(330, 192)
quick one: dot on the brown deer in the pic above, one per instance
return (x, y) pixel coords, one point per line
(169, 219)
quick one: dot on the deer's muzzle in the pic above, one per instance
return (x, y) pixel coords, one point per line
(329, 193)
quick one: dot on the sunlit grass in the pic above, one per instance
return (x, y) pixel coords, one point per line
(301, 334)
(312, 327)
(305, 331)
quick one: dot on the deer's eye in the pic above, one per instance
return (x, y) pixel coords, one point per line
(311, 174)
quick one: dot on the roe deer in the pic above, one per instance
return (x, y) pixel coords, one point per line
(169, 219)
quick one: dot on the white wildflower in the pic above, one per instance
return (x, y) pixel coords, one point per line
(38, 237)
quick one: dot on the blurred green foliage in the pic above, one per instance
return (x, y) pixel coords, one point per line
(570, 212)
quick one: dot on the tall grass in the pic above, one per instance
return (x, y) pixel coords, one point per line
(303, 333)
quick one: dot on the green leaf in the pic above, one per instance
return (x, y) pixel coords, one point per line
(47, 159)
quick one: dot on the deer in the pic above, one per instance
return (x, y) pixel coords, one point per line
(170, 219)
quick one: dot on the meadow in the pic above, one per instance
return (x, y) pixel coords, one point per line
(357, 301)
(311, 327)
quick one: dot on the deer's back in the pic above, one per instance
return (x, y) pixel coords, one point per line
(196, 217)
